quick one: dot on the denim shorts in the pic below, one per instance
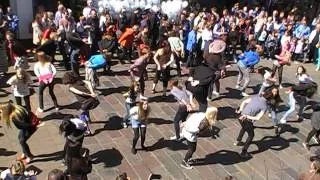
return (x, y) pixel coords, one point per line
(136, 124)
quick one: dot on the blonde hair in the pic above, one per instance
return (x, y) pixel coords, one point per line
(211, 115)
(10, 111)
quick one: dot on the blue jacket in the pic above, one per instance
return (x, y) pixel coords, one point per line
(192, 41)
(97, 62)
(249, 58)
(302, 31)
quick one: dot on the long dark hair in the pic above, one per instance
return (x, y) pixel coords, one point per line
(70, 78)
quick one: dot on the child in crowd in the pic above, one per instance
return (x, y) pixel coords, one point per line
(20, 85)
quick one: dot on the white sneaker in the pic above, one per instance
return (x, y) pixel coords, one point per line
(238, 87)
(269, 115)
(215, 93)
(244, 94)
(280, 87)
(173, 138)
(283, 121)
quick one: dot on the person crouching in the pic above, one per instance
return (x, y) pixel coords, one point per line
(196, 123)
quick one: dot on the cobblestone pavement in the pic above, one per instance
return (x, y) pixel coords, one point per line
(273, 158)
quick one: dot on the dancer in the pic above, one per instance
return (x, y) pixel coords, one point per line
(45, 71)
(214, 58)
(198, 83)
(139, 118)
(283, 59)
(185, 100)
(246, 61)
(138, 70)
(250, 110)
(25, 121)
(130, 101)
(196, 123)
(315, 123)
(163, 58)
(269, 78)
(20, 85)
(85, 95)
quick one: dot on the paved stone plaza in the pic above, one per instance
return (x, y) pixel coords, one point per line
(273, 158)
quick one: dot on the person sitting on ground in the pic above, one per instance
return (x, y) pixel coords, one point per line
(17, 172)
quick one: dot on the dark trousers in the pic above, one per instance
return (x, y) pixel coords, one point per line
(201, 97)
(165, 77)
(74, 57)
(192, 146)
(23, 136)
(42, 87)
(280, 70)
(26, 100)
(63, 52)
(246, 126)
(181, 115)
(178, 59)
(142, 83)
(215, 83)
(311, 134)
(139, 132)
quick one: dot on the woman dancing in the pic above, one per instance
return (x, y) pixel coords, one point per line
(139, 117)
(85, 95)
(25, 121)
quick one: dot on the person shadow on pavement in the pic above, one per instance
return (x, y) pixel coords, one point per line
(109, 157)
(272, 142)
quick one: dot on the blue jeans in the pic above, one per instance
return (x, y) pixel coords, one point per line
(74, 57)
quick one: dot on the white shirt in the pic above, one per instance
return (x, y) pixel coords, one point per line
(20, 88)
(191, 128)
(266, 76)
(207, 35)
(304, 78)
(134, 112)
(43, 70)
(312, 35)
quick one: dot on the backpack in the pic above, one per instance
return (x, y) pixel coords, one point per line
(249, 58)
(307, 90)
(97, 62)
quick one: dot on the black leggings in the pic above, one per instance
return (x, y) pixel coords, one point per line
(181, 115)
(139, 132)
(280, 70)
(165, 76)
(246, 126)
(192, 146)
(312, 133)
(26, 102)
(23, 136)
(42, 87)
